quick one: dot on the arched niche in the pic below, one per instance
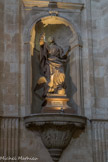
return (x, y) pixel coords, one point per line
(65, 34)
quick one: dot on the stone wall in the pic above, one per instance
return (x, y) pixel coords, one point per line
(89, 18)
(100, 59)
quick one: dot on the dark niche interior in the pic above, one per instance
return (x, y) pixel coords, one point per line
(62, 35)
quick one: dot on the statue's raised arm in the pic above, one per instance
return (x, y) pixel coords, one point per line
(42, 39)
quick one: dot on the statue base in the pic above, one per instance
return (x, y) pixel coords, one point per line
(57, 104)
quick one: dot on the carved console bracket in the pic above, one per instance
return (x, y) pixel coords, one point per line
(56, 130)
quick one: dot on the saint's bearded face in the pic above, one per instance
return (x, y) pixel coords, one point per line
(50, 39)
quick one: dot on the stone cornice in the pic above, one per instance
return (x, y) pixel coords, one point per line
(99, 120)
(22, 117)
(29, 4)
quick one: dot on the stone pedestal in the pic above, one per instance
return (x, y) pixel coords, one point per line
(57, 104)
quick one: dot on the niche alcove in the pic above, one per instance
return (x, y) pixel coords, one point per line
(57, 129)
(64, 35)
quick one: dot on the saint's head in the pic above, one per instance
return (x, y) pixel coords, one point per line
(51, 40)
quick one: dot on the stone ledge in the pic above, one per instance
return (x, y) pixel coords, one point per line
(54, 117)
(28, 4)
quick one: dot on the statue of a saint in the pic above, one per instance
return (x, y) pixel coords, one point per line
(52, 60)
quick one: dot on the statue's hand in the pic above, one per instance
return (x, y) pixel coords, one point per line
(69, 48)
(42, 39)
